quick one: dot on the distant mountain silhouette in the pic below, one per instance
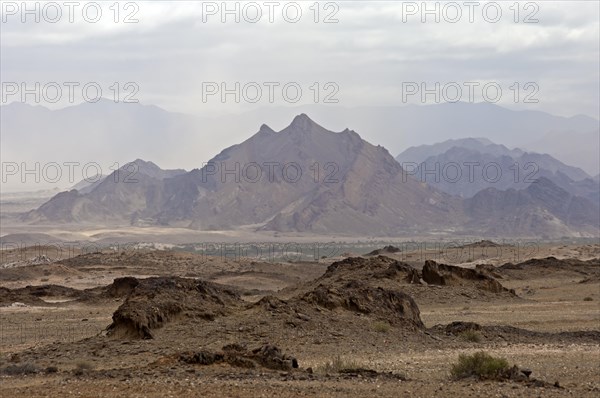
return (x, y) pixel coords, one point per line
(466, 166)
(118, 197)
(305, 178)
(106, 132)
(543, 209)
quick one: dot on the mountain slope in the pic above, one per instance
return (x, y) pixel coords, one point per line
(338, 183)
(418, 154)
(96, 129)
(543, 209)
(125, 195)
(465, 167)
(305, 178)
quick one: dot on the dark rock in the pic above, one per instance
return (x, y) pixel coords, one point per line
(386, 250)
(357, 296)
(458, 327)
(156, 301)
(122, 287)
(267, 356)
(450, 275)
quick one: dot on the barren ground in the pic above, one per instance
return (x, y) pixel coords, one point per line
(556, 309)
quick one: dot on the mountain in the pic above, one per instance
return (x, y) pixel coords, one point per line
(400, 127)
(302, 178)
(129, 171)
(118, 197)
(542, 209)
(305, 178)
(466, 166)
(106, 132)
(87, 185)
(339, 183)
(418, 154)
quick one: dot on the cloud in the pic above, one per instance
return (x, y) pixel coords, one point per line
(369, 53)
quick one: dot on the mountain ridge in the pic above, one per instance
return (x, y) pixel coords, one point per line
(306, 178)
(466, 166)
(96, 128)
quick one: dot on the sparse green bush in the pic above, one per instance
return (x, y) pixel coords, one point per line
(82, 367)
(471, 335)
(381, 327)
(479, 364)
(336, 365)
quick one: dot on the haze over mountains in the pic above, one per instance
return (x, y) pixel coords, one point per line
(466, 166)
(305, 178)
(579, 149)
(106, 132)
(543, 209)
(339, 182)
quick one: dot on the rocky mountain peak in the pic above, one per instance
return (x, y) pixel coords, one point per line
(264, 129)
(303, 123)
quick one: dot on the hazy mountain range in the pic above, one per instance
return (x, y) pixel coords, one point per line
(542, 209)
(106, 132)
(466, 166)
(306, 178)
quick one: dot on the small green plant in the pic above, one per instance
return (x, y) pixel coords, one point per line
(480, 364)
(470, 335)
(588, 299)
(82, 367)
(381, 327)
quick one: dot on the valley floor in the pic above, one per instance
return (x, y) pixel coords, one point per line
(556, 310)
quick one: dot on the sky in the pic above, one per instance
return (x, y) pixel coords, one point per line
(215, 59)
(183, 55)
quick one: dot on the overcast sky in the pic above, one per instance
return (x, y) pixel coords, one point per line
(370, 54)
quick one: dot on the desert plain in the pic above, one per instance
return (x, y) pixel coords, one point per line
(389, 322)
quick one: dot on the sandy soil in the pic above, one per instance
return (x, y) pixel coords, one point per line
(70, 334)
